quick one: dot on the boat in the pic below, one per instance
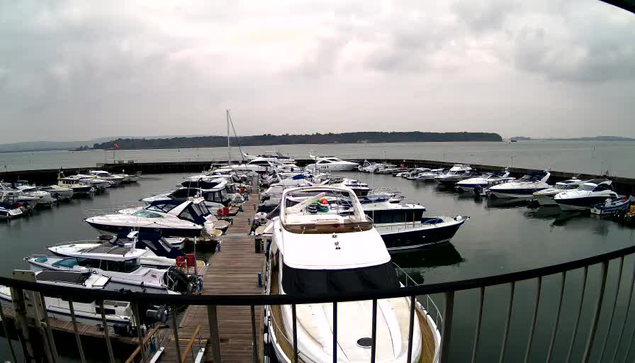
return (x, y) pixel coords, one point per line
(316, 249)
(8, 211)
(120, 263)
(214, 193)
(456, 173)
(481, 183)
(414, 173)
(272, 155)
(591, 192)
(330, 163)
(611, 206)
(17, 198)
(523, 188)
(419, 234)
(429, 175)
(96, 182)
(58, 192)
(79, 186)
(360, 188)
(545, 196)
(170, 218)
(44, 198)
(382, 210)
(116, 180)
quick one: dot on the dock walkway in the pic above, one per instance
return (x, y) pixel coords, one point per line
(232, 271)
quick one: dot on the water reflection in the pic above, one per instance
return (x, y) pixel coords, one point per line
(506, 203)
(415, 263)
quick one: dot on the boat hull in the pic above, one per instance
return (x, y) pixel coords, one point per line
(573, 204)
(545, 200)
(119, 230)
(514, 193)
(418, 238)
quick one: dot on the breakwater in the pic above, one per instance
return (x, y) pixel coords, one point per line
(47, 176)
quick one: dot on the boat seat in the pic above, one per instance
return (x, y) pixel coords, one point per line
(68, 263)
(41, 259)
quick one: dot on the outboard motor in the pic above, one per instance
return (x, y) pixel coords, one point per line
(179, 281)
(157, 314)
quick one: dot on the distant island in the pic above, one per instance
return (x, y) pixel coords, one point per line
(316, 138)
(595, 138)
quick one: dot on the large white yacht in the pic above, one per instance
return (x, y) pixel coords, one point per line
(456, 173)
(483, 182)
(589, 193)
(321, 247)
(545, 196)
(524, 188)
(116, 180)
(330, 163)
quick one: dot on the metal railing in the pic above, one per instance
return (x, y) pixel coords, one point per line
(444, 319)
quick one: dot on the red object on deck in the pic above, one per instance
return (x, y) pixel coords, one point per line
(180, 261)
(191, 259)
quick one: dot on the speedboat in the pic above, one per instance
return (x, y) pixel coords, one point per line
(79, 186)
(589, 193)
(414, 173)
(116, 180)
(456, 173)
(215, 193)
(360, 188)
(545, 196)
(8, 211)
(272, 155)
(58, 192)
(170, 218)
(524, 188)
(16, 197)
(483, 182)
(318, 249)
(430, 175)
(419, 234)
(611, 206)
(45, 198)
(96, 182)
(330, 163)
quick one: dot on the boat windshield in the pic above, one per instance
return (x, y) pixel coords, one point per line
(303, 281)
(147, 214)
(587, 187)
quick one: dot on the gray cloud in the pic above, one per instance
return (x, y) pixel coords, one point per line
(73, 70)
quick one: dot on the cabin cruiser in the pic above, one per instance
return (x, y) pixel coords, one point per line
(589, 193)
(122, 264)
(16, 197)
(360, 188)
(96, 182)
(429, 175)
(524, 188)
(8, 211)
(169, 217)
(316, 249)
(58, 192)
(116, 180)
(215, 194)
(271, 155)
(456, 173)
(45, 198)
(382, 210)
(545, 196)
(79, 186)
(483, 182)
(330, 163)
(414, 173)
(611, 206)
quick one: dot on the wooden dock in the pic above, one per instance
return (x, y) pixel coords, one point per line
(232, 271)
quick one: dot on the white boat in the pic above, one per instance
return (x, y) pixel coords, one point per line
(545, 196)
(589, 193)
(483, 182)
(330, 163)
(275, 156)
(611, 206)
(58, 192)
(116, 180)
(456, 173)
(430, 175)
(524, 188)
(16, 197)
(170, 218)
(360, 188)
(96, 182)
(45, 198)
(80, 186)
(414, 173)
(8, 211)
(323, 251)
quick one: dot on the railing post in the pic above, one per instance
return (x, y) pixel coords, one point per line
(577, 319)
(17, 296)
(373, 348)
(253, 335)
(142, 348)
(334, 331)
(479, 321)
(510, 307)
(48, 332)
(111, 355)
(175, 332)
(596, 314)
(617, 295)
(413, 301)
(78, 340)
(533, 319)
(6, 334)
(295, 333)
(214, 334)
(555, 325)
(447, 326)
(628, 308)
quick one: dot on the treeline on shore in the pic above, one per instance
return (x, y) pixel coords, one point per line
(317, 138)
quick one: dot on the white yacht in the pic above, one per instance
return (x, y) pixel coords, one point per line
(524, 188)
(8, 211)
(275, 156)
(456, 173)
(96, 182)
(58, 192)
(79, 186)
(483, 182)
(316, 249)
(170, 218)
(429, 175)
(589, 193)
(330, 163)
(545, 196)
(116, 180)
(414, 173)
(45, 198)
(360, 188)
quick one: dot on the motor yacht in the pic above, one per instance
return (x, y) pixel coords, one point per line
(414, 173)
(8, 211)
(456, 173)
(429, 175)
(45, 199)
(170, 218)
(321, 246)
(611, 206)
(215, 194)
(96, 182)
(17, 198)
(483, 182)
(545, 196)
(591, 192)
(275, 156)
(58, 192)
(360, 188)
(330, 163)
(116, 180)
(79, 186)
(524, 188)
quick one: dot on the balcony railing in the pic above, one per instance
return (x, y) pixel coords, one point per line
(591, 286)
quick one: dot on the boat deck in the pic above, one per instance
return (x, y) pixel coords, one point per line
(232, 271)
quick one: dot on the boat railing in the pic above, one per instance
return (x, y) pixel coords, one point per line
(589, 300)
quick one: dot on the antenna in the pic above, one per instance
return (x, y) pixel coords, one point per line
(229, 147)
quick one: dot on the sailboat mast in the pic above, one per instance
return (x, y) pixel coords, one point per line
(229, 147)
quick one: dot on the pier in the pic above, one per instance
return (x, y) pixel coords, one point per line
(231, 271)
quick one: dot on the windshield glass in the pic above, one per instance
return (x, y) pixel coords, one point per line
(302, 281)
(147, 214)
(587, 187)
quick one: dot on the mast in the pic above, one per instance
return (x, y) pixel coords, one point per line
(229, 147)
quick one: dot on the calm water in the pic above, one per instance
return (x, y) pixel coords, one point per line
(498, 238)
(581, 157)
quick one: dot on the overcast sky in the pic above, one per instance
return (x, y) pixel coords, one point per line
(75, 70)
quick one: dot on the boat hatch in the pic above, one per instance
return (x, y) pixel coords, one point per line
(110, 249)
(63, 276)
